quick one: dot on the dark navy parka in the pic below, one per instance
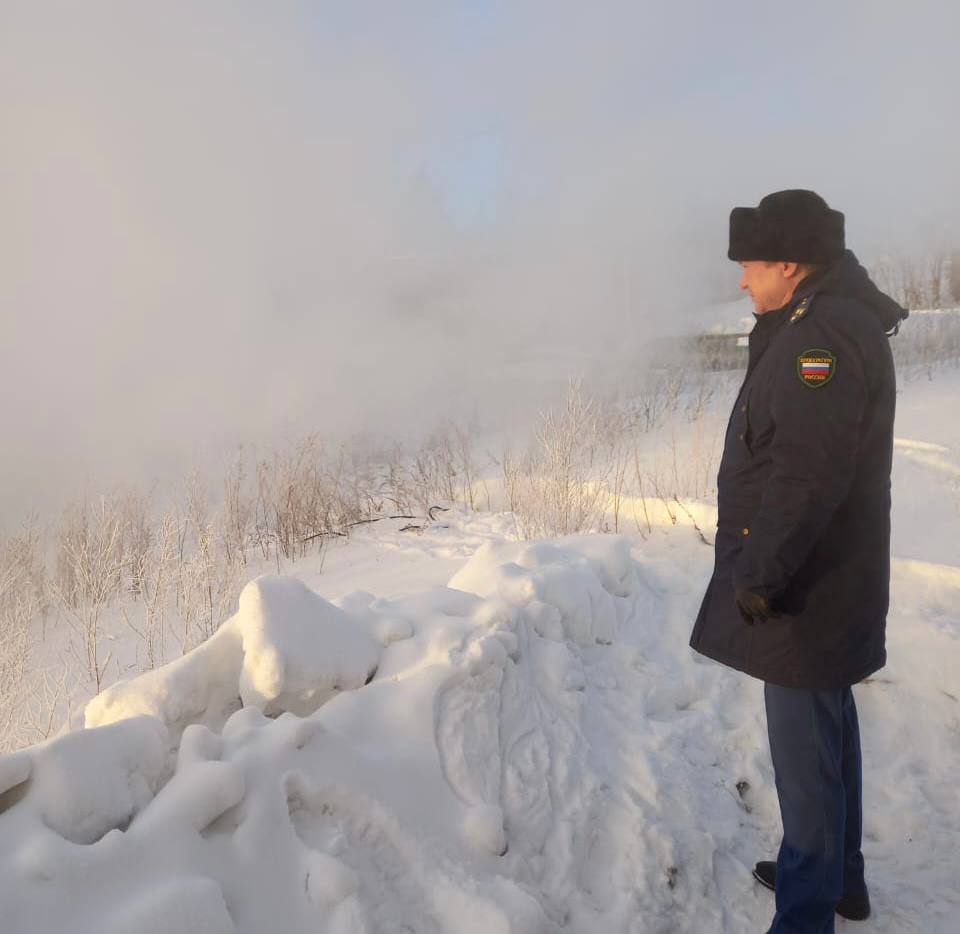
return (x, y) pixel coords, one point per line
(804, 489)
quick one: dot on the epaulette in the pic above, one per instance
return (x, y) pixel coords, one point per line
(801, 309)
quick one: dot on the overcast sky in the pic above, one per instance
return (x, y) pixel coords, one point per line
(241, 221)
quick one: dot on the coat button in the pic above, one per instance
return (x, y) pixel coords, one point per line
(743, 408)
(746, 531)
(741, 437)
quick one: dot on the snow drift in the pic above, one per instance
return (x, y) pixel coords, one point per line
(532, 748)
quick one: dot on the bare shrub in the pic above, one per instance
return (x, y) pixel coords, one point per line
(702, 393)
(953, 277)
(650, 402)
(294, 499)
(915, 281)
(619, 466)
(47, 702)
(395, 486)
(208, 581)
(432, 472)
(465, 466)
(350, 490)
(23, 556)
(238, 511)
(159, 585)
(513, 485)
(90, 565)
(359, 482)
(443, 470)
(559, 487)
(30, 700)
(642, 497)
(136, 537)
(14, 622)
(928, 342)
(208, 592)
(593, 462)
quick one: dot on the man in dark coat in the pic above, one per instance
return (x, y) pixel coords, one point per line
(800, 587)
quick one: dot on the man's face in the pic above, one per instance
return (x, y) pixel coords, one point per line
(770, 284)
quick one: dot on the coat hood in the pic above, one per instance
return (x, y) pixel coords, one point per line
(848, 279)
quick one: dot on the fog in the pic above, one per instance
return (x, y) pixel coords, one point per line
(240, 222)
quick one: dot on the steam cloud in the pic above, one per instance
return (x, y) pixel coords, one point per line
(228, 222)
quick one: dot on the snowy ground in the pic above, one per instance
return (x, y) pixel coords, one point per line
(457, 732)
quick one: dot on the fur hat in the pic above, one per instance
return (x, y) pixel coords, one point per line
(793, 226)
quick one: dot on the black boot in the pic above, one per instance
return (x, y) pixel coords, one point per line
(849, 907)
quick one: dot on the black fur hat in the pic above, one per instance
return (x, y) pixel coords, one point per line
(793, 226)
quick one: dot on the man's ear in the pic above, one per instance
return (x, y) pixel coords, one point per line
(790, 270)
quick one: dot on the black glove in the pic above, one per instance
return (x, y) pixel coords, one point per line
(753, 607)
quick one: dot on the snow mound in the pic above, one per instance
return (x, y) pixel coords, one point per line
(286, 649)
(539, 751)
(578, 577)
(200, 687)
(84, 784)
(298, 649)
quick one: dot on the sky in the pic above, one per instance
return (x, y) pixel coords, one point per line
(239, 222)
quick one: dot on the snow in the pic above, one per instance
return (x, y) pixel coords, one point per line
(298, 648)
(286, 649)
(191, 906)
(460, 732)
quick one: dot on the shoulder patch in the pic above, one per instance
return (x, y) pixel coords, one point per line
(816, 367)
(800, 310)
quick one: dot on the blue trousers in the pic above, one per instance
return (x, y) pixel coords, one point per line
(815, 746)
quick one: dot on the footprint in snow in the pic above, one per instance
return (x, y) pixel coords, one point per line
(352, 851)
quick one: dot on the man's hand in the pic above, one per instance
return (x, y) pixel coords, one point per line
(753, 607)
